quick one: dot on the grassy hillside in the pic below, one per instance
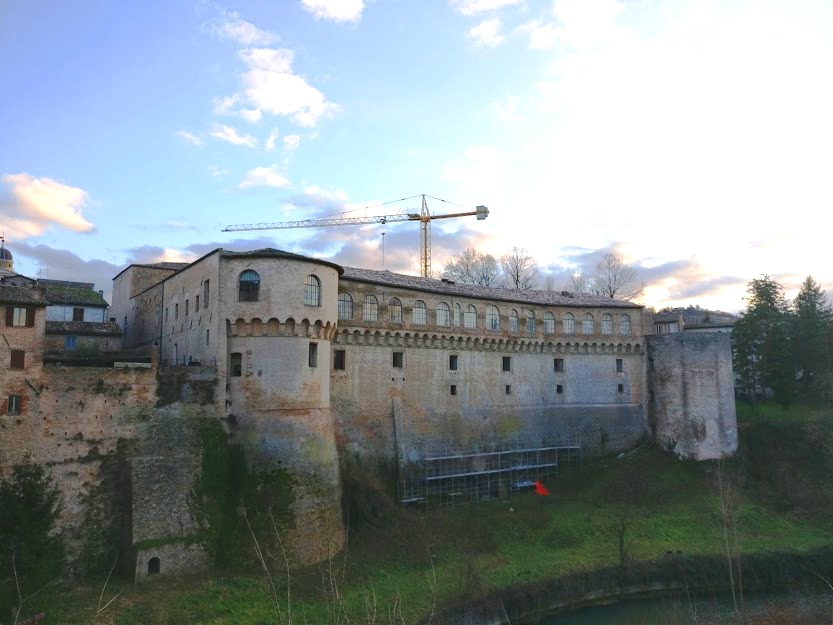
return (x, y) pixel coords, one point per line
(403, 566)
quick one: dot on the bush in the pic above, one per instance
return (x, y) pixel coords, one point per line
(29, 507)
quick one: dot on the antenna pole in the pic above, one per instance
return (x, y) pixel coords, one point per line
(383, 250)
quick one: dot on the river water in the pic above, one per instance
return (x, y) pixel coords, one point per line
(785, 609)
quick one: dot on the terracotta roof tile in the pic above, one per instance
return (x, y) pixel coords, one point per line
(88, 328)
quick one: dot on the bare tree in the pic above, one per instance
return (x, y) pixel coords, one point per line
(472, 267)
(613, 278)
(578, 282)
(520, 271)
(548, 283)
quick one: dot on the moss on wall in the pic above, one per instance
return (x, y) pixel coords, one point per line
(230, 501)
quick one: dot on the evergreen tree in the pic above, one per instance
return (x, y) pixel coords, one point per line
(812, 336)
(763, 356)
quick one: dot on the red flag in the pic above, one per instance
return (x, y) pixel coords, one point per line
(540, 489)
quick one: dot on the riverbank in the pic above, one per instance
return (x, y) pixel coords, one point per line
(648, 510)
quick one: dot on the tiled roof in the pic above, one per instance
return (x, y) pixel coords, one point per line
(85, 297)
(22, 295)
(432, 285)
(270, 252)
(166, 265)
(89, 328)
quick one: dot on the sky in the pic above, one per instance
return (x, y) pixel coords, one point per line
(693, 139)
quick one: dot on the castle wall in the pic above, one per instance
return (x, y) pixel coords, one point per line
(72, 422)
(192, 325)
(692, 410)
(401, 414)
(130, 282)
(56, 344)
(281, 404)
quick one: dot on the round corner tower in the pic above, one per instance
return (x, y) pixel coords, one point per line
(281, 313)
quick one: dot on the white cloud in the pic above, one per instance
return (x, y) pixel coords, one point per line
(251, 115)
(508, 108)
(231, 26)
(541, 35)
(37, 204)
(229, 134)
(473, 7)
(225, 106)
(487, 33)
(264, 177)
(216, 172)
(290, 142)
(272, 87)
(335, 10)
(188, 137)
(584, 24)
(270, 142)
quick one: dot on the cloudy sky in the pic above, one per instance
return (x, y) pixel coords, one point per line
(693, 139)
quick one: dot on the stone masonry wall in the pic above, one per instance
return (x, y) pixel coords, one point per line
(692, 410)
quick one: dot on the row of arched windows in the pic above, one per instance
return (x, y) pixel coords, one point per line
(448, 317)
(248, 288)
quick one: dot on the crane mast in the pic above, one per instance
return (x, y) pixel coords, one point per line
(424, 217)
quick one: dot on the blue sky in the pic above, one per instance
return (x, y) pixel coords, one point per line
(690, 138)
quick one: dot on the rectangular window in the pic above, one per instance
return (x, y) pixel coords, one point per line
(398, 358)
(207, 337)
(313, 354)
(559, 388)
(176, 313)
(20, 317)
(69, 342)
(621, 388)
(166, 314)
(453, 389)
(508, 389)
(507, 363)
(197, 303)
(186, 308)
(339, 359)
(620, 365)
(18, 359)
(452, 363)
(205, 294)
(236, 364)
(13, 407)
(78, 314)
(558, 365)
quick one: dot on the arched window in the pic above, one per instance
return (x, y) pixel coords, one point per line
(607, 324)
(456, 321)
(587, 324)
(443, 314)
(248, 286)
(470, 317)
(569, 323)
(549, 323)
(530, 322)
(420, 313)
(492, 318)
(312, 291)
(395, 309)
(513, 321)
(153, 566)
(371, 308)
(625, 325)
(345, 306)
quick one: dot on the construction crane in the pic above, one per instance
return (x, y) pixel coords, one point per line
(424, 217)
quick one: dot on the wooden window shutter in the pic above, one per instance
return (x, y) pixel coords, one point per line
(9, 316)
(30, 317)
(18, 359)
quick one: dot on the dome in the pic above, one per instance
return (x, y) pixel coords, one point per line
(5, 254)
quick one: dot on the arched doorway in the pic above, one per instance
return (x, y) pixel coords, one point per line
(153, 566)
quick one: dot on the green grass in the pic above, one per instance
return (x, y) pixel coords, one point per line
(462, 552)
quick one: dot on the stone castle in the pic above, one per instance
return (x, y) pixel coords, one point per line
(305, 362)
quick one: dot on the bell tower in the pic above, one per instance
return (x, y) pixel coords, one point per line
(6, 258)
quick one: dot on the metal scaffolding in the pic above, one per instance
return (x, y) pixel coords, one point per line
(455, 477)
